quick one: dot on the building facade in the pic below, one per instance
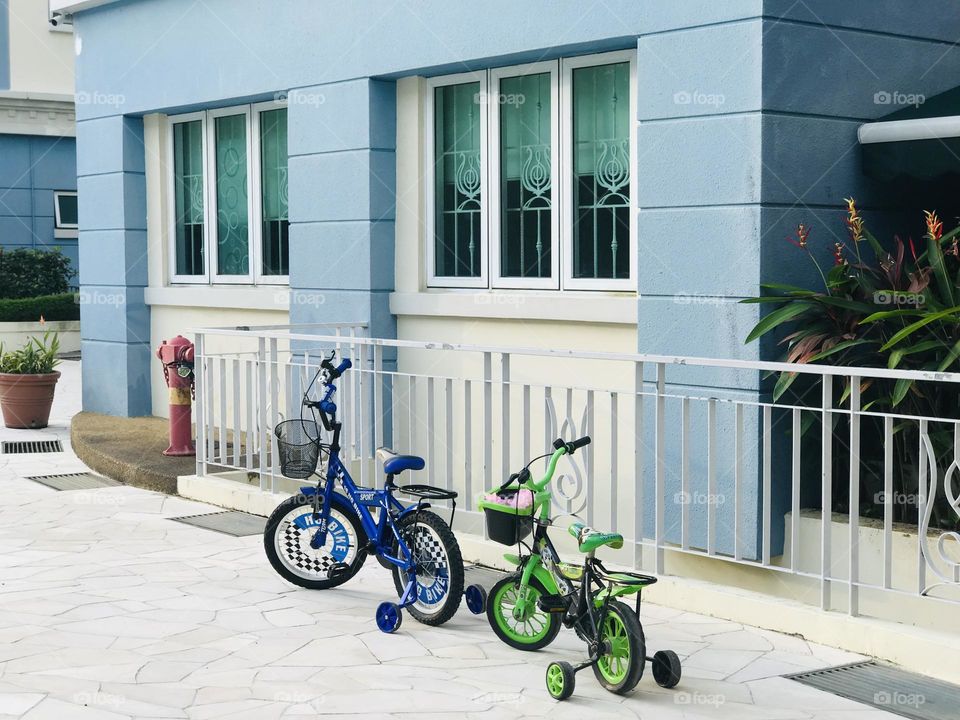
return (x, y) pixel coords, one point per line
(38, 168)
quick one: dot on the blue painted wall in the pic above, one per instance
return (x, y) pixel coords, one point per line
(748, 113)
(31, 168)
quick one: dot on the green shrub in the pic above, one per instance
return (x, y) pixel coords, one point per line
(37, 357)
(27, 273)
(50, 307)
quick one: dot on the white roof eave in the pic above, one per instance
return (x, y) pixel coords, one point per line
(68, 7)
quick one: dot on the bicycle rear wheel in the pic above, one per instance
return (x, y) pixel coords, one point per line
(439, 567)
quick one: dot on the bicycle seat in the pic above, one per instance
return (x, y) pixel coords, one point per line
(590, 539)
(394, 463)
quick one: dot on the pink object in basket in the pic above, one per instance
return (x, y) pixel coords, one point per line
(521, 499)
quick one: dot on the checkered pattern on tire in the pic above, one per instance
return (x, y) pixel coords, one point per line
(429, 553)
(316, 562)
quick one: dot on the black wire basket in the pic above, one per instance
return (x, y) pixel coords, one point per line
(298, 445)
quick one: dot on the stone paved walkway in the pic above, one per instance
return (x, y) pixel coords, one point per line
(108, 609)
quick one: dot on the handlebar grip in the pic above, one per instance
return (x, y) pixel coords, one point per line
(582, 442)
(344, 366)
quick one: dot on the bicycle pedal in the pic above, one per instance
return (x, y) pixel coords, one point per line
(553, 603)
(337, 569)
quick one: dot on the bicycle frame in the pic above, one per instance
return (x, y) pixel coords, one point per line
(382, 532)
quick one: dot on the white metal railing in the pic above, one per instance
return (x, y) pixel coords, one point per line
(688, 457)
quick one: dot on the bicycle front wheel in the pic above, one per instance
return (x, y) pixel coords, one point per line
(620, 668)
(515, 617)
(289, 537)
(439, 567)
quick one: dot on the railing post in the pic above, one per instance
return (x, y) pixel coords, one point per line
(262, 417)
(685, 473)
(826, 490)
(505, 415)
(712, 499)
(487, 413)
(660, 480)
(639, 469)
(921, 507)
(200, 388)
(275, 410)
(738, 483)
(767, 484)
(795, 490)
(854, 503)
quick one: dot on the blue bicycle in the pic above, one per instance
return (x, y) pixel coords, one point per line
(320, 538)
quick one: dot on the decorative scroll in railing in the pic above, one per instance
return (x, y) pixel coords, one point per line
(690, 458)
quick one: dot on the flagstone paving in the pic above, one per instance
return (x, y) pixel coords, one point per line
(110, 610)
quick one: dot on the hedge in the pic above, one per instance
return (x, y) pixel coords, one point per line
(64, 306)
(30, 273)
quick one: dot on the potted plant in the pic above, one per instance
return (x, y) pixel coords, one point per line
(27, 382)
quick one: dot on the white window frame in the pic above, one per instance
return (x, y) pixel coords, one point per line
(203, 279)
(63, 230)
(257, 201)
(493, 151)
(567, 66)
(210, 276)
(561, 170)
(211, 188)
(434, 280)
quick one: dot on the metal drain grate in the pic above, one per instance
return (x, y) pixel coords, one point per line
(74, 481)
(887, 688)
(230, 522)
(14, 447)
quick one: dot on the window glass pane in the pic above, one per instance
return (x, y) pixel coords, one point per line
(273, 183)
(68, 210)
(601, 171)
(525, 197)
(457, 180)
(230, 141)
(188, 197)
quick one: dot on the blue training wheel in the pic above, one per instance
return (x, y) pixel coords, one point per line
(476, 598)
(389, 617)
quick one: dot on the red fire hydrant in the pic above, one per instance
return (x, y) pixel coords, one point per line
(177, 359)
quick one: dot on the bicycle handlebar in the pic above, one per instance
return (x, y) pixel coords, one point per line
(561, 448)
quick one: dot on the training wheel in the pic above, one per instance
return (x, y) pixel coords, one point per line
(389, 617)
(560, 680)
(666, 668)
(476, 598)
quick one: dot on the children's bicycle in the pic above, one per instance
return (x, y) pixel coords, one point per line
(527, 608)
(320, 538)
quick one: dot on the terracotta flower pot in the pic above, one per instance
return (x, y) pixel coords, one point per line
(26, 399)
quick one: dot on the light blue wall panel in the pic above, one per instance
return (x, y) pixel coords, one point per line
(349, 255)
(116, 377)
(31, 169)
(113, 257)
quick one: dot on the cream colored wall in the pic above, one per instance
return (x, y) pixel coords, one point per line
(41, 61)
(603, 322)
(174, 310)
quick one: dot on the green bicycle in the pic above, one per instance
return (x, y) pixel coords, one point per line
(527, 608)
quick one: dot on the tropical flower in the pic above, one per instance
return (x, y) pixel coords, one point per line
(854, 220)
